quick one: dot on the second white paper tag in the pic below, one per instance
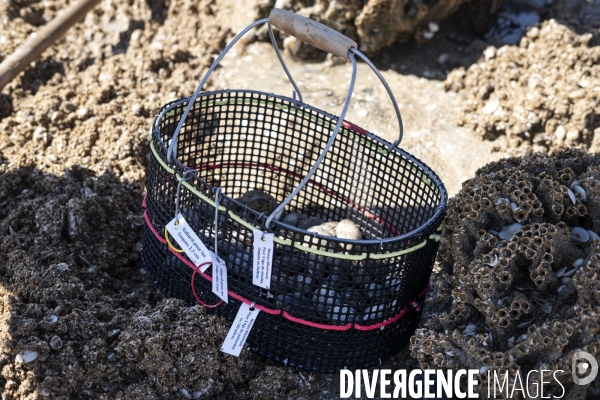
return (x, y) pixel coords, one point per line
(240, 328)
(219, 277)
(262, 261)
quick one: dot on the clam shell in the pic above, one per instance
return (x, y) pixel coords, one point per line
(575, 183)
(524, 324)
(509, 231)
(26, 356)
(594, 235)
(572, 196)
(581, 191)
(580, 235)
(561, 272)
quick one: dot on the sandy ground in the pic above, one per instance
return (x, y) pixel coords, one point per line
(73, 153)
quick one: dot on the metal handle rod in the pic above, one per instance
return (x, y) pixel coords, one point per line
(389, 91)
(310, 173)
(172, 150)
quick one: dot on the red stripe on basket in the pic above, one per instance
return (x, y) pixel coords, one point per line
(381, 324)
(145, 201)
(323, 188)
(352, 127)
(318, 326)
(278, 312)
(147, 218)
(261, 308)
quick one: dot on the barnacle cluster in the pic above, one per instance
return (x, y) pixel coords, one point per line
(538, 95)
(520, 271)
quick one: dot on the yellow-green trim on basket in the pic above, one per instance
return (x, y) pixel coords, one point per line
(398, 253)
(343, 256)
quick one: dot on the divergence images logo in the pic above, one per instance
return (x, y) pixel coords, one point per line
(584, 364)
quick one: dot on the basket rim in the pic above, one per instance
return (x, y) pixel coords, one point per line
(440, 210)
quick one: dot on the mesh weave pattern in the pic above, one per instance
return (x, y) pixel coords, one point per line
(243, 140)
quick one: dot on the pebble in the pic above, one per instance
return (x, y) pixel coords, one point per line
(291, 219)
(491, 106)
(489, 53)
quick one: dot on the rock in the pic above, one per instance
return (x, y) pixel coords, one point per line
(373, 24)
(524, 99)
(309, 222)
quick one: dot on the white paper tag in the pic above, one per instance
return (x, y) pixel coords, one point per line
(262, 260)
(238, 333)
(219, 277)
(187, 239)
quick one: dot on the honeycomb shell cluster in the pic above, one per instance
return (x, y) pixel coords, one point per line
(519, 271)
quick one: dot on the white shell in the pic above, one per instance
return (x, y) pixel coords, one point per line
(483, 369)
(578, 263)
(55, 342)
(580, 235)
(521, 338)
(62, 267)
(50, 319)
(469, 329)
(493, 263)
(594, 235)
(581, 191)
(561, 272)
(514, 207)
(525, 324)
(575, 183)
(509, 231)
(26, 356)
(572, 196)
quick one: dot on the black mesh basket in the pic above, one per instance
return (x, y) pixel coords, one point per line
(332, 303)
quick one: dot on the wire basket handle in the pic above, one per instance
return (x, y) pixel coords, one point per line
(315, 34)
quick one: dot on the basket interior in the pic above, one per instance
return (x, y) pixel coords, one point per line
(243, 140)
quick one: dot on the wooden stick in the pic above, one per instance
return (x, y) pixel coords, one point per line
(45, 37)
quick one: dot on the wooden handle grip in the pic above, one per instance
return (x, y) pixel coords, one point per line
(311, 32)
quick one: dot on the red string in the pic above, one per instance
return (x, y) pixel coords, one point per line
(414, 304)
(194, 288)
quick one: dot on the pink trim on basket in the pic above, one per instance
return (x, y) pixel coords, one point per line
(315, 325)
(414, 304)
